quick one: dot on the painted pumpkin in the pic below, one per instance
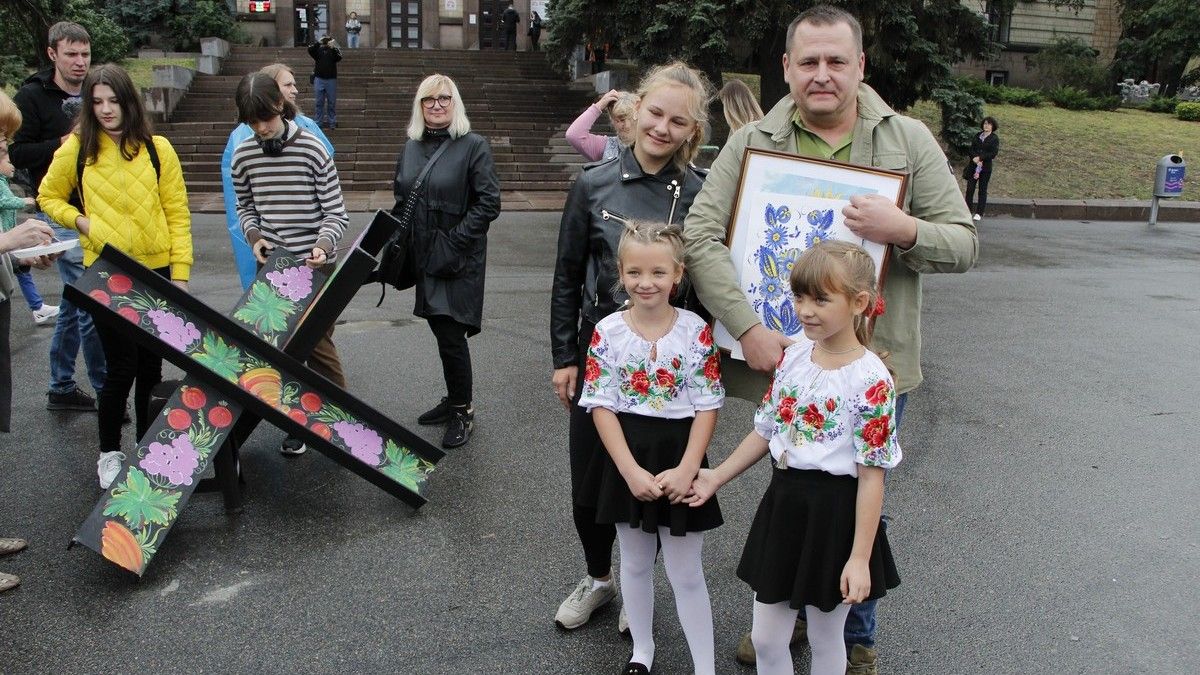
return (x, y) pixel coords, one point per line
(118, 545)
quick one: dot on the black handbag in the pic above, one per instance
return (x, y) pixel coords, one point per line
(398, 266)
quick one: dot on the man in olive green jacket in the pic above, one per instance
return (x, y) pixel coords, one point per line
(830, 113)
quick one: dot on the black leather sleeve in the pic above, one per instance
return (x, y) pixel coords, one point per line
(570, 270)
(484, 204)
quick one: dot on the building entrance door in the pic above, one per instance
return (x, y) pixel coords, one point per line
(491, 32)
(312, 21)
(404, 24)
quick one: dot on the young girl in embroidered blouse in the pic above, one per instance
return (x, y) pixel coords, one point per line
(652, 384)
(828, 423)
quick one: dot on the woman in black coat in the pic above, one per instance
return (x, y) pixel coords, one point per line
(984, 149)
(455, 205)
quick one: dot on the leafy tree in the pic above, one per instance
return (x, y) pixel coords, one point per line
(1158, 37)
(141, 19)
(25, 23)
(1069, 61)
(195, 19)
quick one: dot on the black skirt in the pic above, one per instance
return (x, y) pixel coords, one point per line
(801, 538)
(657, 444)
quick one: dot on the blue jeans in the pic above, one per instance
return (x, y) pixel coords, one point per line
(352, 40)
(326, 94)
(860, 623)
(30, 291)
(74, 328)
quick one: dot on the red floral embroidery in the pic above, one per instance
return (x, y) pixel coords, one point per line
(675, 363)
(640, 382)
(664, 377)
(712, 368)
(770, 388)
(787, 409)
(878, 393)
(831, 405)
(813, 417)
(876, 431)
(596, 338)
(591, 369)
(706, 336)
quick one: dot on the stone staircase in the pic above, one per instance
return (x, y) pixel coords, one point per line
(513, 99)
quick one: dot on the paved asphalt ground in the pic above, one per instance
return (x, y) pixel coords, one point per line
(1045, 517)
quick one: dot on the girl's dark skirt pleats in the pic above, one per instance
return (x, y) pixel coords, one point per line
(657, 444)
(801, 538)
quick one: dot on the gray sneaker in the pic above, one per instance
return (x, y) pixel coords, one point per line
(579, 605)
(108, 467)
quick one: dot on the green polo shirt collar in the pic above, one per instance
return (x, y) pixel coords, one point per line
(812, 145)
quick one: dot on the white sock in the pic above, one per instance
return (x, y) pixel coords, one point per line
(826, 640)
(771, 633)
(597, 584)
(638, 550)
(685, 568)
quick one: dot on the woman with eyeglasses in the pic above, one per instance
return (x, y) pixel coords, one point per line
(451, 211)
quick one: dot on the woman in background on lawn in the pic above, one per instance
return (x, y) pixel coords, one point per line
(984, 148)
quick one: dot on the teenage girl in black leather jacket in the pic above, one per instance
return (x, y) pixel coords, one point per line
(650, 180)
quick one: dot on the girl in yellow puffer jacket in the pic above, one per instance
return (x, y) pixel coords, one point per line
(129, 203)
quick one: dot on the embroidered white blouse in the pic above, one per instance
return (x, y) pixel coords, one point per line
(831, 420)
(683, 378)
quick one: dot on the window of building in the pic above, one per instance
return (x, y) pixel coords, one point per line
(999, 21)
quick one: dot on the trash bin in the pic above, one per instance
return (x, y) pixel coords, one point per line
(1168, 179)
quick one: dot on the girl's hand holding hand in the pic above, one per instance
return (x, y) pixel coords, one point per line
(856, 581)
(564, 384)
(704, 486)
(643, 485)
(675, 483)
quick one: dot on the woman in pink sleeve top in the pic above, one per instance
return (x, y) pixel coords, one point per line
(622, 108)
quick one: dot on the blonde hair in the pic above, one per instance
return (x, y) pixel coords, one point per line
(838, 267)
(10, 117)
(274, 69)
(680, 74)
(459, 124)
(740, 106)
(648, 232)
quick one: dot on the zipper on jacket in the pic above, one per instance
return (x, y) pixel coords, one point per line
(613, 215)
(674, 199)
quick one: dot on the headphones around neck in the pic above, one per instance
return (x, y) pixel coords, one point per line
(273, 147)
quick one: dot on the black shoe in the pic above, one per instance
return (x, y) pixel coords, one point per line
(635, 668)
(74, 400)
(440, 414)
(292, 447)
(460, 426)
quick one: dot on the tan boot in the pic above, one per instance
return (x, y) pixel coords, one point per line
(863, 661)
(745, 650)
(8, 581)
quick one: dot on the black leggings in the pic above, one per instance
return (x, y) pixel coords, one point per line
(456, 357)
(128, 364)
(584, 442)
(984, 177)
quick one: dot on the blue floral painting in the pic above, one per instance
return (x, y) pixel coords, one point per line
(770, 293)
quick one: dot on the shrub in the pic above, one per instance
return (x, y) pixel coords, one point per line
(109, 42)
(1027, 98)
(202, 19)
(1072, 98)
(12, 71)
(1188, 111)
(1071, 62)
(1162, 104)
(961, 112)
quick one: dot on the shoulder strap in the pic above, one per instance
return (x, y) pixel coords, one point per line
(154, 158)
(411, 200)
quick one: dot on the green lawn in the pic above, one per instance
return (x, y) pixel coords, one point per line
(1064, 154)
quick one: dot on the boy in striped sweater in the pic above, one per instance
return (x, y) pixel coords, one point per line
(288, 195)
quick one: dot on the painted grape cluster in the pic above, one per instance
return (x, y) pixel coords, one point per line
(293, 283)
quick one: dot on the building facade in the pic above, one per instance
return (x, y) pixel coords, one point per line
(1029, 26)
(387, 24)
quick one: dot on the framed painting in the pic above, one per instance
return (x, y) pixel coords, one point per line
(786, 203)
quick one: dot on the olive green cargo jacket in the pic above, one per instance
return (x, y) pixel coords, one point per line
(946, 237)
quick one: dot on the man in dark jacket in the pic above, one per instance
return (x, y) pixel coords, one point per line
(509, 20)
(325, 55)
(49, 101)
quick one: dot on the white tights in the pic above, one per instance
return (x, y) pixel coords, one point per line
(772, 631)
(682, 557)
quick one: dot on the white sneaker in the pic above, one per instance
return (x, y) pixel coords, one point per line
(43, 314)
(623, 622)
(577, 609)
(977, 217)
(109, 467)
